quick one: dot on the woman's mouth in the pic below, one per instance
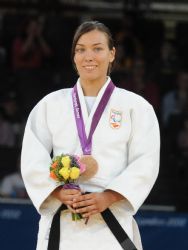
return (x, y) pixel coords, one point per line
(90, 67)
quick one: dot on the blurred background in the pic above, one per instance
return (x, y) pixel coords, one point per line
(151, 40)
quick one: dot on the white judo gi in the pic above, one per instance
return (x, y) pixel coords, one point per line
(126, 145)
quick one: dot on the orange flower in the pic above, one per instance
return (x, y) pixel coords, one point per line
(54, 165)
(53, 176)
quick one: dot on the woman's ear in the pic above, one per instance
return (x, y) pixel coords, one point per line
(112, 54)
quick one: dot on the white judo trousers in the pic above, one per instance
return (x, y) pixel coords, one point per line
(126, 145)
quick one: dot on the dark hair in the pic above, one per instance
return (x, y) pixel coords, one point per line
(87, 27)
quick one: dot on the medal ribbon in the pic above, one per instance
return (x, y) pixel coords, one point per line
(86, 143)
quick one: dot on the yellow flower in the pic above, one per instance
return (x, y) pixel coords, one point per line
(66, 161)
(65, 172)
(75, 172)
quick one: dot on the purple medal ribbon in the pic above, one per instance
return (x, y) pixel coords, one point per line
(86, 143)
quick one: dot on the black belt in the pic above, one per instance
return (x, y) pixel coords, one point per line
(109, 218)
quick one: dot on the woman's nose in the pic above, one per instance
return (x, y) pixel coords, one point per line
(88, 55)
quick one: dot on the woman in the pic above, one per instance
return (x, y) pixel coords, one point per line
(125, 144)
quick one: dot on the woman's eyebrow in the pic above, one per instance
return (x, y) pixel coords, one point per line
(95, 44)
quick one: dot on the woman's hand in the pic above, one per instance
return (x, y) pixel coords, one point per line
(93, 203)
(66, 196)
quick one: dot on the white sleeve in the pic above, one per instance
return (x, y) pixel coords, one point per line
(138, 178)
(36, 159)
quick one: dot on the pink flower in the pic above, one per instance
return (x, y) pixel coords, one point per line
(81, 165)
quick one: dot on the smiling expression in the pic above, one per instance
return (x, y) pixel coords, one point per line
(93, 56)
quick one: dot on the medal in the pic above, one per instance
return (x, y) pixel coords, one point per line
(86, 143)
(91, 167)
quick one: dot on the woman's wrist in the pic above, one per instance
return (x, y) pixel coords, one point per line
(113, 196)
(56, 192)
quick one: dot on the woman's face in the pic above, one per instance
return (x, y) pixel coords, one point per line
(93, 56)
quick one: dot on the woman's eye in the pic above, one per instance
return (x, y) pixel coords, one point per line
(97, 49)
(80, 50)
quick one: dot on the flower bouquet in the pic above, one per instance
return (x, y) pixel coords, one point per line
(66, 169)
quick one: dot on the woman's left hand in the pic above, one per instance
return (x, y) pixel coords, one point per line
(93, 203)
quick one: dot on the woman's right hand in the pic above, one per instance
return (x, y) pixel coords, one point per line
(66, 196)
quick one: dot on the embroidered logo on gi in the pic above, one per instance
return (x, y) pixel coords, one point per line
(115, 118)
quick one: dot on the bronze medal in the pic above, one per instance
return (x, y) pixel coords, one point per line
(91, 167)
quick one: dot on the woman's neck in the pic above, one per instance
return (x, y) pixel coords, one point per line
(92, 88)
